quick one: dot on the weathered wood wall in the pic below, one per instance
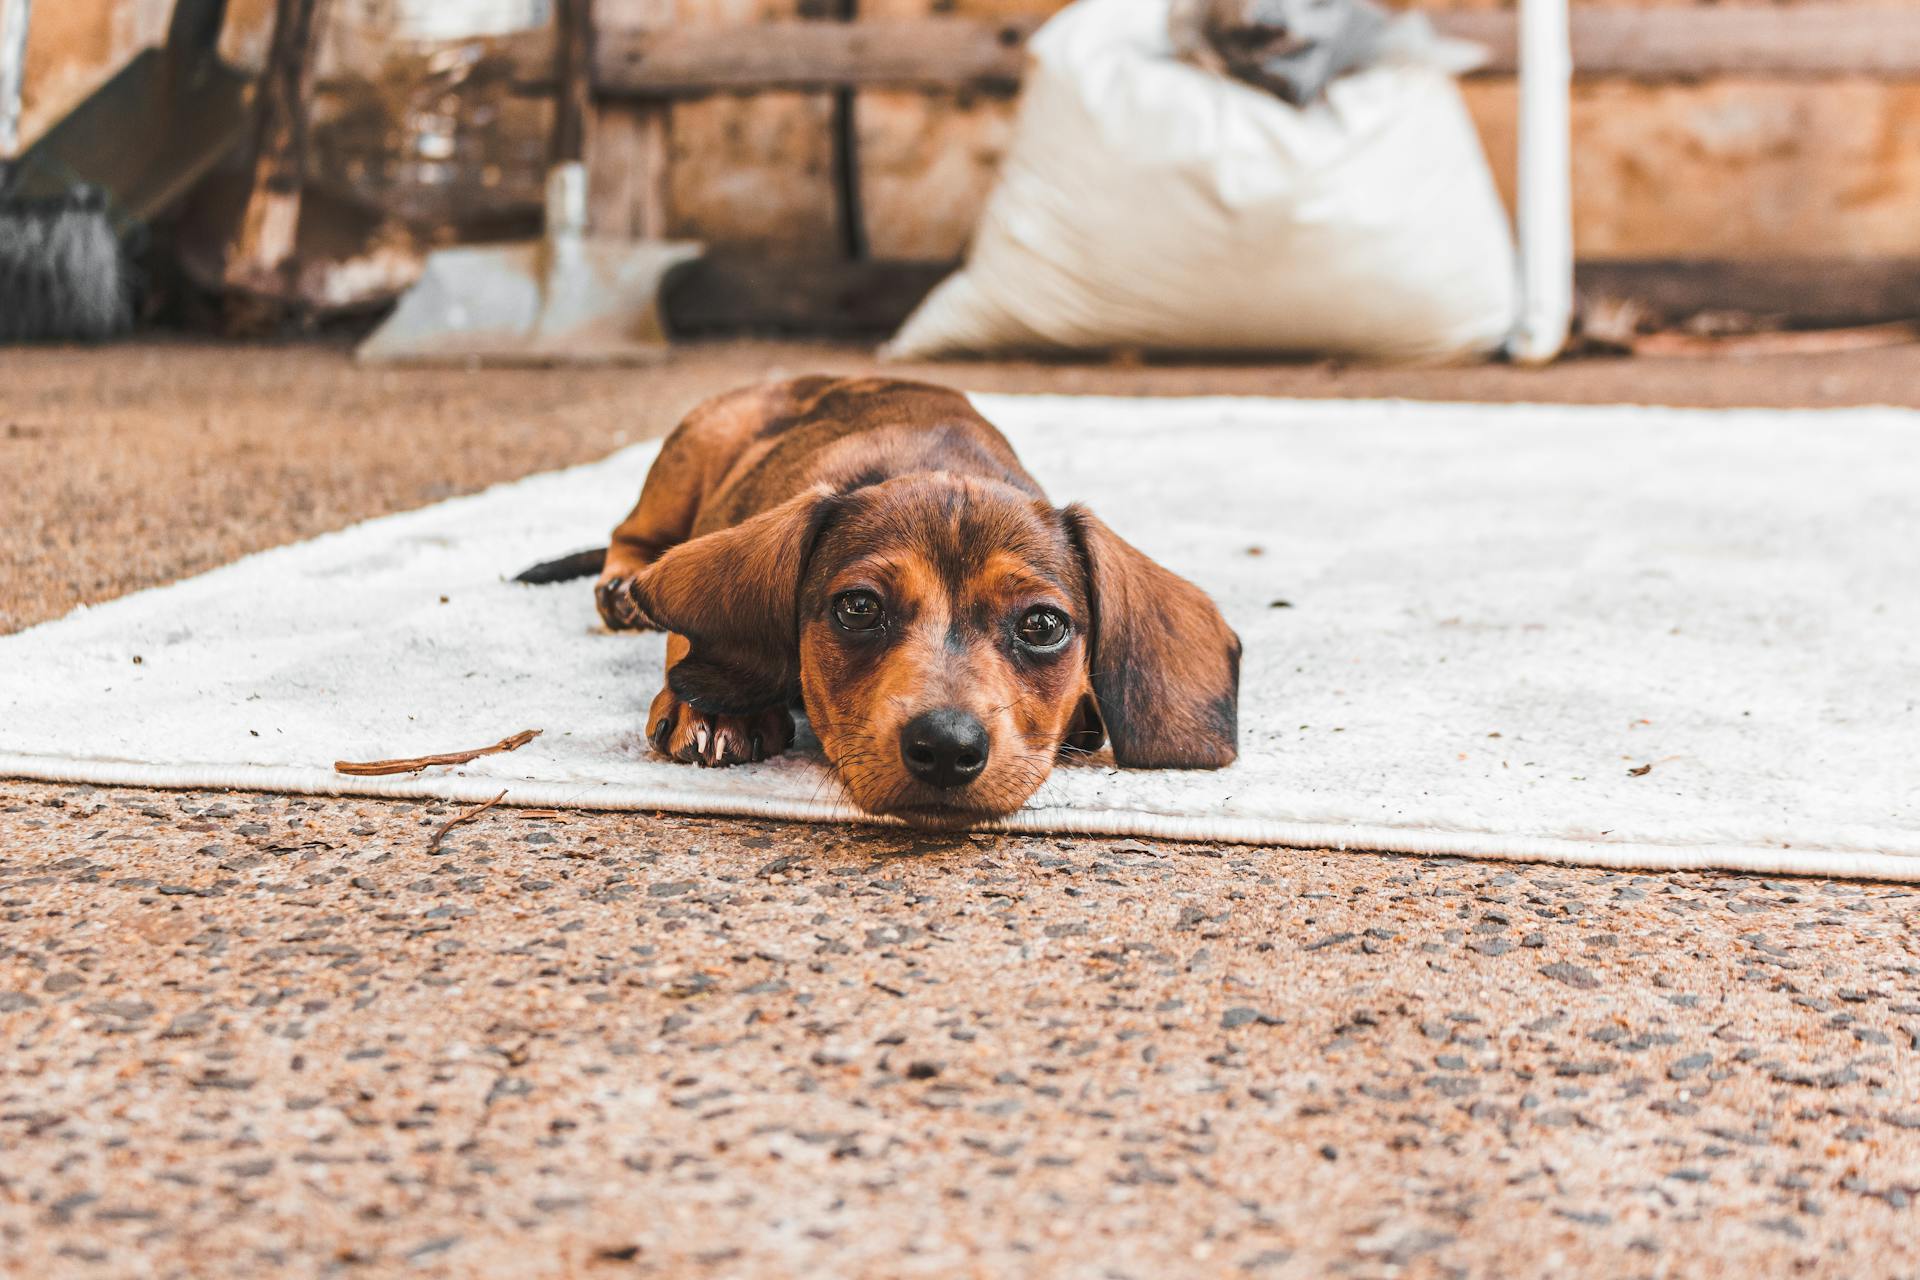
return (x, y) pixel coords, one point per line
(1733, 167)
(1728, 167)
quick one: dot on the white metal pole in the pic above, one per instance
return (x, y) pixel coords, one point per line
(13, 72)
(1546, 183)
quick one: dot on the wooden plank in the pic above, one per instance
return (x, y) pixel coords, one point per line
(1823, 292)
(573, 96)
(1734, 167)
(928, 161)
(952, 53)
(734, 292)
(849, 207)
(1683, 43)
(627, 153)
(812, 55)
(947, 53)
(629, 142)
(285, 96)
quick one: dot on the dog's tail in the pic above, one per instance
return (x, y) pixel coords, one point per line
(581, 564)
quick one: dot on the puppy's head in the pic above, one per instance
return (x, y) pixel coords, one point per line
(950, 637)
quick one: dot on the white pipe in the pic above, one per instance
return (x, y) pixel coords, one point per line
(13, 72)
(1546, 183)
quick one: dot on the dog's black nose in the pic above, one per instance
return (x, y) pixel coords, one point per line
(945, 748)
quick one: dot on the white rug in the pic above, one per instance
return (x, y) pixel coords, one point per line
(1497, 618)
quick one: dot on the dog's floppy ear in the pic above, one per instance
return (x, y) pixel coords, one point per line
(732, 594)
(1086, 732)
(1165, 665)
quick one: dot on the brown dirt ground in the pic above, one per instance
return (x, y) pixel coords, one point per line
(242, 1033)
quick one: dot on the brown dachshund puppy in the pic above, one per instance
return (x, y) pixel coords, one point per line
(872, 552)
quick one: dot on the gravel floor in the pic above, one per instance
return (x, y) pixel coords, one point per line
(247, 1034)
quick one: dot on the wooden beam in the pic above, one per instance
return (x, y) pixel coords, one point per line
(1827, 39)
(1804, 292)
(952, 53)
(573, 96)
(284, 99)
(734, 292)
(970, 52)
(933, 53)
(1685, 43)
(629, 142)
(739, 291)
(627, 158)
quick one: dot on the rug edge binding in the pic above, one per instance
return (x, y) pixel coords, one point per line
(1827, 863)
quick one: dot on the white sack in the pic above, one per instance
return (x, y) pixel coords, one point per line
(1147, 203)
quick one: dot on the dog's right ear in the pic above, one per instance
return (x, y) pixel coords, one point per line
(732, 594)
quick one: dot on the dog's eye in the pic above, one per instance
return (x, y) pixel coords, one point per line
(858, 610)
(1043, 628)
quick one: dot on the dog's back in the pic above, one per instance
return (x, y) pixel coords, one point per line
(845, 433)
(743, 452)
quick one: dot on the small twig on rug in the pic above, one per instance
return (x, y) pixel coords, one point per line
(414, 764)
(543, 815)
(433, 845)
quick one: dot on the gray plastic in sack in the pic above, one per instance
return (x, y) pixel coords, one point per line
(1291, 48)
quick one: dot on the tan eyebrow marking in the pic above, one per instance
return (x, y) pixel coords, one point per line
(1006, 574)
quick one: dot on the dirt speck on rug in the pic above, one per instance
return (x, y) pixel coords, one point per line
(1609, 635)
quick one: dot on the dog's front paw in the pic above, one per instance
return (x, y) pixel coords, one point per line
(697, 737)
(619, 605)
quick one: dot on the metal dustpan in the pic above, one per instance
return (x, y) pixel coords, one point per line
(566, 299)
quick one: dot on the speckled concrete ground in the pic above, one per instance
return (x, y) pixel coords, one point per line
(256, 1034)
(249, 1033)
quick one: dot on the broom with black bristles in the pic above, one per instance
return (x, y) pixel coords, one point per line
(63, 273)
(63, 276)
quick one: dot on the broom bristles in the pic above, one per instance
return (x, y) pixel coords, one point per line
(62, 274)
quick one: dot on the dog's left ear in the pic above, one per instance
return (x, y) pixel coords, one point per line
(732, 594)
(1165, 665)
